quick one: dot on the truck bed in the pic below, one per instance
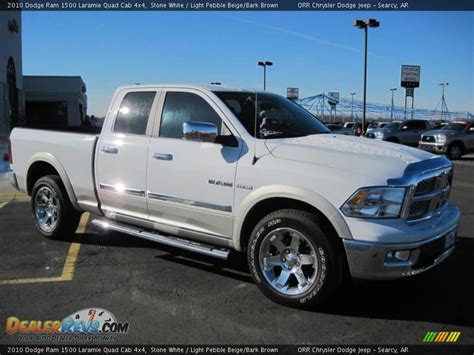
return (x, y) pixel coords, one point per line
(70, 153)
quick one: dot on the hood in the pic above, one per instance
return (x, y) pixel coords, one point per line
(440, 131)
(383, 130)
(362, 156)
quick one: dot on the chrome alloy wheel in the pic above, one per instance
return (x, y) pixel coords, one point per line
(288, 261)
(46, 209)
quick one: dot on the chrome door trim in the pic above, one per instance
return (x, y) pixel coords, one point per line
(212, 206)
(163, 156)
(127, 190)
(171, 228)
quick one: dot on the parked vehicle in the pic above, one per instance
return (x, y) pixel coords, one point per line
(351, 129)
(408, 132)
(213, 169)
(375, 125)
(454, 139)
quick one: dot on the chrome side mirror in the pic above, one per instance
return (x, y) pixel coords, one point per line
(199, 131)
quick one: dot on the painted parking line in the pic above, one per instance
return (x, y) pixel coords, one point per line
(69, 264)
(5, 199)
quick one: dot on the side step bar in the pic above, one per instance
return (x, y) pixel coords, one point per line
(167, 240)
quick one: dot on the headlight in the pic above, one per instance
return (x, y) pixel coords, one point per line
(379, 134)
(375, 202)
(441, 138)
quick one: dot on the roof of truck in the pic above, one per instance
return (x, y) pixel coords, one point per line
(188, 86)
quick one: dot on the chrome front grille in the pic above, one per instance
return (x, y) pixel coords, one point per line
(426, 186)
(418, 209)
(429, 195)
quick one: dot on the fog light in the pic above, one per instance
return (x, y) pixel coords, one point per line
(398, 255)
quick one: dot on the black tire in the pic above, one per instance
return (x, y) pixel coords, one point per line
(455, 151)
(328, 274)
(67, 218)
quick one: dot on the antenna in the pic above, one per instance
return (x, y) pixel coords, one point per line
(254, 160)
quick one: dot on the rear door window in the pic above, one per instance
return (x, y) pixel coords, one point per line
(134, 112)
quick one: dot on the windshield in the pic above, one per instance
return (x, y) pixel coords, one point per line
(393, 125)
(277, 117)
(457, 126)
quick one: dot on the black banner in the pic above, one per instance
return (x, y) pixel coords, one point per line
(236, 5)
(438, 349)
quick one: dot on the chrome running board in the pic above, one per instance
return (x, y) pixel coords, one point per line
(167, 240)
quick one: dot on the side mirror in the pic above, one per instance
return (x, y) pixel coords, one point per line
(199, 131)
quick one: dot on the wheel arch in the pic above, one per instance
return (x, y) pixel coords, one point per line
(266, 200)
(460, 142)
(42, 164)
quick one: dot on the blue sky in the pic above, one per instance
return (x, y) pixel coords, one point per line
(315, 51)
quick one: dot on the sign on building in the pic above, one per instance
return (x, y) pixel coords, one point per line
(333, 98)
(293, 93)
(410, 76)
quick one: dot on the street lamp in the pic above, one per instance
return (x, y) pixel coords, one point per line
(443, 101)
(352, 106)
(265, 64)
(391, 112)
(365, 24)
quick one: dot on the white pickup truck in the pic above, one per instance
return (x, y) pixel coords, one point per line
(215, 169)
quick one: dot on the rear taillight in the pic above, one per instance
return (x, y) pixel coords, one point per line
(10, 154)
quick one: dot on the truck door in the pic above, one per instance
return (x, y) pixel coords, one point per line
(410, 133)
(122, 151)
(469, 138)
(190, 183)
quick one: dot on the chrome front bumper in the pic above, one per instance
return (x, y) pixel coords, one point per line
(437, 148)
(377, 261)
(13, 180)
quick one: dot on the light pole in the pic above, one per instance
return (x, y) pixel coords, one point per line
(443, 101)
(352, 106)
(361, 24)
(391, 111)
(265, 64)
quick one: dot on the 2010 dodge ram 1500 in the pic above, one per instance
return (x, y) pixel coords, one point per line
(211, 169)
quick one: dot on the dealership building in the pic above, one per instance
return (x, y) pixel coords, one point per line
(54, 101)
(11, 74)
(34, 101)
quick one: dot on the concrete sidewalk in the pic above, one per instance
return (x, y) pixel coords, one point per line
(7, 192)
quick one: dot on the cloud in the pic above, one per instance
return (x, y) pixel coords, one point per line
(304, 36)
(297, 34)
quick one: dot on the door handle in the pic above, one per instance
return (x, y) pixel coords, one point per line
(109, 150)
(163, 156)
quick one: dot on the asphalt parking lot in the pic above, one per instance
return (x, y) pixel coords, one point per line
(172, 297)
